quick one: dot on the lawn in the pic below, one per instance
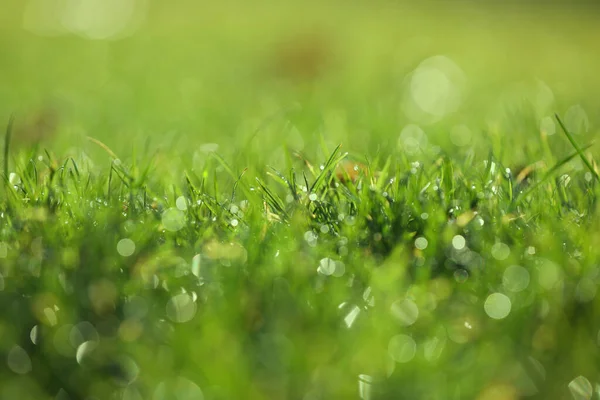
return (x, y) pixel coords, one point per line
(299, 201)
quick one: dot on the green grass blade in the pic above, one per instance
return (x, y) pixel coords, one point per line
(551, 171)
(576, 146)
(329, 166)
(272, 199)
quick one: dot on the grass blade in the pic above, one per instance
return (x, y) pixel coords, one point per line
(552, 170)
(576, 146)
(272, 199)
(328, 167)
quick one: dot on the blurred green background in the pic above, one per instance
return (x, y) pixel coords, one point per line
(191, 73)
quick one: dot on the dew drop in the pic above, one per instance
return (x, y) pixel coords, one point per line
(459, 242)
(34, 335)
(181, 203)
(326, 266)
(402, 348)
(581, 388)
(500, 251)
(461, 275)
(18, 361)
(84, 350)
(421, 243)
(126, 247)
(515, 278)
(181, 308)
(405, 311)
(173, 219)
(497, 306)
(340, 269)
(350, 318)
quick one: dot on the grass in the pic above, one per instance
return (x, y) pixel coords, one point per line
(296, 282)
(230, 249)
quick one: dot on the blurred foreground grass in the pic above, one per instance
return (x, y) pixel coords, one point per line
(174, 224)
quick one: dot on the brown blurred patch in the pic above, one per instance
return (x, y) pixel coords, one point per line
(349, 171)
(35, 127)
(525, 173)
(303, 56)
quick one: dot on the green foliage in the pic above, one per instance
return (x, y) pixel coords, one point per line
(301, 284)
(208, 219)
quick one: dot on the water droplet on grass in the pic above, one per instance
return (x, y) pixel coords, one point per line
(461, 275)
(83, 332)
(181, 308)
(50, 316)
(515, 278)
(581, 388)
(402, 348)
(459, 242)
(126, 371)
(421, 243)
(84, 350)
(497, 306)
(181, 203)
(340, 269)
(311, 238)
(368, 297)
(173, 219)
(326, 266)
(14, 179)
(500, 251)
(196, 265)
(460, 331)
(126, 247)
(405, 311)
(18, 361)
(364, 386)
(34, 335)
(350, 318)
